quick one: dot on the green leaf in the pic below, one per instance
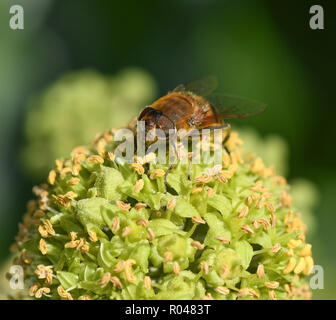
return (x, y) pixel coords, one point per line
(163, 227)
(89, 211)
(148, 194)
(106, 257)
(217, 227)
(107, 182)
(90, 272)
(261, 238)
(70, 223)
(220, 203)
(67, 279)
(185, 209)
(245, 251)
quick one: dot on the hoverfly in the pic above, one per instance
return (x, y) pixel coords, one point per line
(195, 106)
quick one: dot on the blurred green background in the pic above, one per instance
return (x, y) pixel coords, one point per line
(258, 49)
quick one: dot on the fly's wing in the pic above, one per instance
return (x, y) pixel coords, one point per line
(231, 107)
(201, 87)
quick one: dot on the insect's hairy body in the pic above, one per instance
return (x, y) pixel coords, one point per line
(187, 110)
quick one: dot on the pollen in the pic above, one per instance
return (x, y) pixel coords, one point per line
(309, 264)
(110, 156)
(243, 212)
(246, 229)
(96, 159)
(49, 228)
(115, 224)
(204, 179)
(176, 268)
(248, 292)
(171, 204)
(43, 232)
(138, 168)
(43, 246)
(66, 170)
(197, 245)
(270, 207)
(226, 174)
(128, 270)
(34, 288)
(223, 239)
(234, 140)
(75, 169)
(205, 267)
(64, 294)
(148, 282)
(157, 173)
(43, 272)
(80, 150)
(272, 284)
(93, 236)
(286, 199)
(59, 164)
(221, 179)
(73, 181)
(168, 256)
(100, 147)
(300, 266)
(257, 166)
(123, 206)
(70, 195)
(305, 251)
(260, 271)
(41, 291)
(223, 290)
(78, 158)
(272, 295)
(291, 265)
(82, 246)
(208, 296)
(248, 201)
(71, 244)
(140, 206)
(226, 271)
(105, 279)
(119, 266)
(198, 220)
(126, 231)
(116, 282)
(142, 222)
(150, 234)
(273, 220)
(264, 223)
(52, 177)
(139, 185)
(226, 160)
(294, 243)
(197, 190)
(61, 200)
(290, 253)
(260, 203)
(210, 192)
(73, 235)
(276, 248)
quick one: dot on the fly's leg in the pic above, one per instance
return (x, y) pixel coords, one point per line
(228, 134)
(189, 166)
(227, 137)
